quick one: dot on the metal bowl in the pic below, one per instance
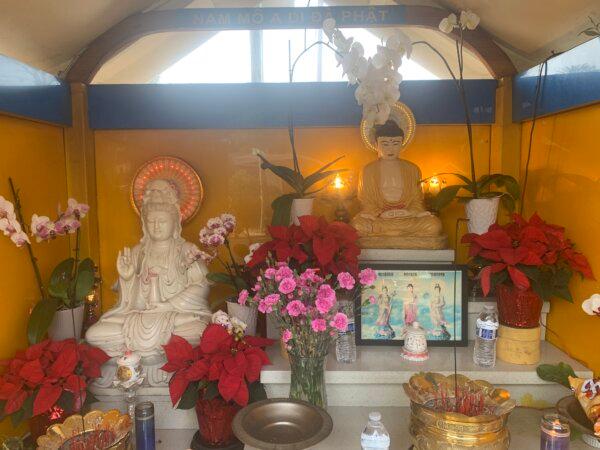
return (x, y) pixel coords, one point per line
(571, 409)
(282, 424)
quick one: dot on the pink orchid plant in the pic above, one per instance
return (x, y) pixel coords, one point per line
(304, 304)
(72, 279)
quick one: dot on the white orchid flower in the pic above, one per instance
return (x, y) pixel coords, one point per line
(329, 27)
(400, 43)
(448, 24)
(591, 306)
(342, 43)
(42, 228)
(20, 238)
(7, 210)
(383, 112)
(469, 20)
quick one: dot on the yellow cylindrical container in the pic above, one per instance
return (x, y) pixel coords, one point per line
(518, 345)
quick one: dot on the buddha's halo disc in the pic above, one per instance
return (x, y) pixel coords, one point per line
(180, 174)
(402, 115)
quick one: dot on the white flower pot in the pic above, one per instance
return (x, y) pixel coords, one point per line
(301, 207)
(246, 314)
(62, 325)
(481, 212)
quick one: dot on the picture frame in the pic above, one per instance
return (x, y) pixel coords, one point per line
(435, 295)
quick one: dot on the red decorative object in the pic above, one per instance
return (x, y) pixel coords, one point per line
(36, 379)
(526, 256)
(214, 421)
(518, 308)
(315, 243)
(180, 174)
(40, 423)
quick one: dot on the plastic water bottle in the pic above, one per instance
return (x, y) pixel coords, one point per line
(345, 345)
(375, 436)
(485, 338)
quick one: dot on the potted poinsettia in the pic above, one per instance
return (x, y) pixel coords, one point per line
(526, 262)
(218, 377)
(48, 381)
(62, 299)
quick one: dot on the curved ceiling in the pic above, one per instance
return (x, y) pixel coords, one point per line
(49, 34)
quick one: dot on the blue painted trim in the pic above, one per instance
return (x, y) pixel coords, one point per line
(264, 105)
(573, 80)
(33, 94)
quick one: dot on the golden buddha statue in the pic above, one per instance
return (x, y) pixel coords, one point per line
(393, 213)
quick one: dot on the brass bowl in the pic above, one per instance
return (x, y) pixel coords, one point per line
(570, 408)
(61, 435)
(282, 424)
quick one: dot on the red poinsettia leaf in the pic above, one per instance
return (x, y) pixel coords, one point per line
(324, 249)
(35, 351)
(579, 263)
(46, 398)
(260, 353)
(309, 225)
(491, 255)
(236, 366)
(177, 386)
(485, 276)
(65, 362)
(283, 250)
(214, 338)
(171, 367)
(494, 240)
(512, 256)
(14, 402)
(8, 389)
(95, 354)
(242, 395)
(75, 384)
(229, 385)
(215, 369)
(298, 254)
(257, 341)
(32, 372)
(197, 371)
(178, 350)
(518, 278)
(253, 367)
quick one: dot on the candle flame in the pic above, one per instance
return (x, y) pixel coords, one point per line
(338, 183)
(434, 181)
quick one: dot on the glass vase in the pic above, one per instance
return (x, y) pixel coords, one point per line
(214, 421)
(517, 308)
(308, 378)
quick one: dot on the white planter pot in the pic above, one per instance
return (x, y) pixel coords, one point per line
(481, 212)
(62, 325)
(246, 314)
(301, 207)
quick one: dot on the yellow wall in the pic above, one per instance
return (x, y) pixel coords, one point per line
(564, 188)
(33, 155)
(233, 180)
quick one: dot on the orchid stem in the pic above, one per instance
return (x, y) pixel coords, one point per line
(32, 258)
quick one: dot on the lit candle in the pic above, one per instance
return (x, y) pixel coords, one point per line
(338, 183)
(555, 433)
(434, 185)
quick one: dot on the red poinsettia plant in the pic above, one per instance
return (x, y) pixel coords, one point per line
(315, 243)
(528, 254)
(47, 375)
(226, 363)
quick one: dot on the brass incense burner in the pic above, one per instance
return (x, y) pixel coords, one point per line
(97, 429)
(457, 413)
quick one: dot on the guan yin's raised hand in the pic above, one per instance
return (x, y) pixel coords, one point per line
(125, 265)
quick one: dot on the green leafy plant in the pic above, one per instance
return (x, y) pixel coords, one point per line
(481, 188)
(556, 373)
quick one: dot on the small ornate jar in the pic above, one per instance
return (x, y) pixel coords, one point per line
(415, 344)
(129, 369)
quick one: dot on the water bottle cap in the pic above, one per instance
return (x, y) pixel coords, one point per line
(375, 416)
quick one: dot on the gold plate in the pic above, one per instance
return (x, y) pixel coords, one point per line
(282, 424)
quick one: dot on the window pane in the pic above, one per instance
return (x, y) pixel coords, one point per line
(224, 58)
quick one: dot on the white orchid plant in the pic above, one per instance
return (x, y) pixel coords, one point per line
(71, 280)
(378, 80)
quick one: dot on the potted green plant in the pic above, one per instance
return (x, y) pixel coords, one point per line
(60, 310)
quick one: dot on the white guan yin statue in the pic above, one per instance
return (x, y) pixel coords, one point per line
(163, 289)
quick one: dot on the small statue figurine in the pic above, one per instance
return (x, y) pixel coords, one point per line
(163, 289)
(393, 213)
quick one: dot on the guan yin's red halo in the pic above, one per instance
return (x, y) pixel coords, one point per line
(180, 174)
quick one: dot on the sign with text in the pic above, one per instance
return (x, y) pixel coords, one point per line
(279, 18)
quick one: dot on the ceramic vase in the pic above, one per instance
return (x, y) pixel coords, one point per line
(301, 207)
(517, 308)
(215, 417)
(61, 326)
(247, 314)
(308, 378)
(481, 213)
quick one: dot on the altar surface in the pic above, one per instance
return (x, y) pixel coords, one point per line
(348, 422)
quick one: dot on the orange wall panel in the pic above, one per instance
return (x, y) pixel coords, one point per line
(564, 188)
(33, 155)
(235, 183)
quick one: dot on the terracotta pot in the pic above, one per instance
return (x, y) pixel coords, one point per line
(247, 314)
(40, 423)
(517, 308)
(214, 421)
(481, 212)
(62, 325)
(301, 207)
